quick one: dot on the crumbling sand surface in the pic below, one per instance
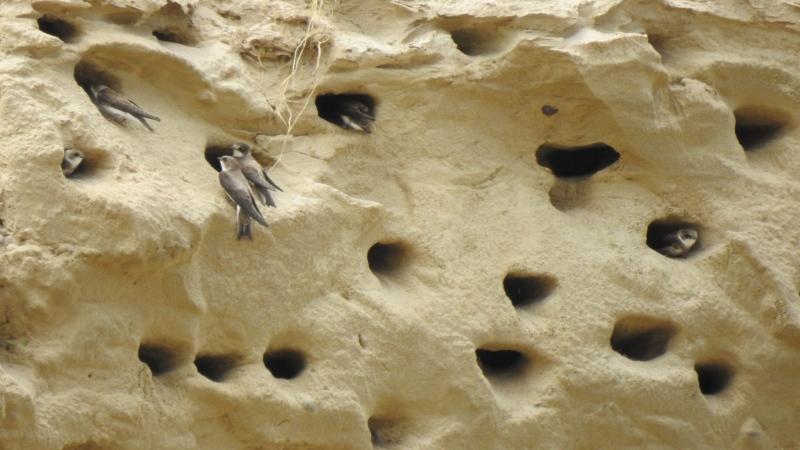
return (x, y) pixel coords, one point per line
(509, 305)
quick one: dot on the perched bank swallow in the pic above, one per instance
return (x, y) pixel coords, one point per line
(235, 184)
(118, 108)
(254, 173)
(72, 159)
(678, 243)
(355, 115)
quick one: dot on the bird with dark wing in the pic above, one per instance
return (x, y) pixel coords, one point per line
(117, 108)
(255, 174)
(238, 189)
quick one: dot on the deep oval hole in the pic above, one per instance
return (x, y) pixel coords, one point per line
(215, 367)
(641, 338)
(757, 126)
(576, 161)
(713, 377)
(386, 258)
(61, 29)
(674, 238)
(160, 359)
(214, 152)
(501, 362)
(331, 107)
(524, 290)
(285, 363)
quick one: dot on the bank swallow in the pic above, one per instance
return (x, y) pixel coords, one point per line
(254, 173)
(118, 108)
(72, 159)
(355, 115)
(236, 186)
(678, 243)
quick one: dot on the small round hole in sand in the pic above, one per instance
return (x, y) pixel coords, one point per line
(641, 338)
(387, 258)
(570, 162)
(159, 358)
(94, 163)
(524, 290)
(285, 363)
(713, 378)
(215, 367)
(495, 363)
(674, 238)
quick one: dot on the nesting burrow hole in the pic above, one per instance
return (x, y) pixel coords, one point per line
(658, 42)
(61, 29)
(214, 152)
(642, 338)
(481, 41)
(285, 363)
(758, 126)
(384, 431)
(216, 367)
(94, 162)
(576, 162)
(172, 24)
(713, 378)
(524, 290)
(176, 37)
(87, 73)
(159, 358)
(387, 258)
(329, 106)
(501, 363)
(662, 233)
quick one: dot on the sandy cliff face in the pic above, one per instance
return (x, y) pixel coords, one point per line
(479, 272)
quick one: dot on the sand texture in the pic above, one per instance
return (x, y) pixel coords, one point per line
(478, 272)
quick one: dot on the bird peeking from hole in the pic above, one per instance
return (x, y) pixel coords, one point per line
(72, 159)
(677, 243)
(117, 108)
(238, 189)
(355, 115)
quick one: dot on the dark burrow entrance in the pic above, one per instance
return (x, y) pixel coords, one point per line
(160, 359)
(524, 290)
(61, 29)
(663, 233)
(215, 367)
(214, 152)
(496, 363)
(331, 106)
(285, 363)
(387, 258)
(758, 126)
(713, 378)
(642, 338)
(576, 161)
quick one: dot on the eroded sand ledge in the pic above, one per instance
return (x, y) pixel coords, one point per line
(507, 307)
